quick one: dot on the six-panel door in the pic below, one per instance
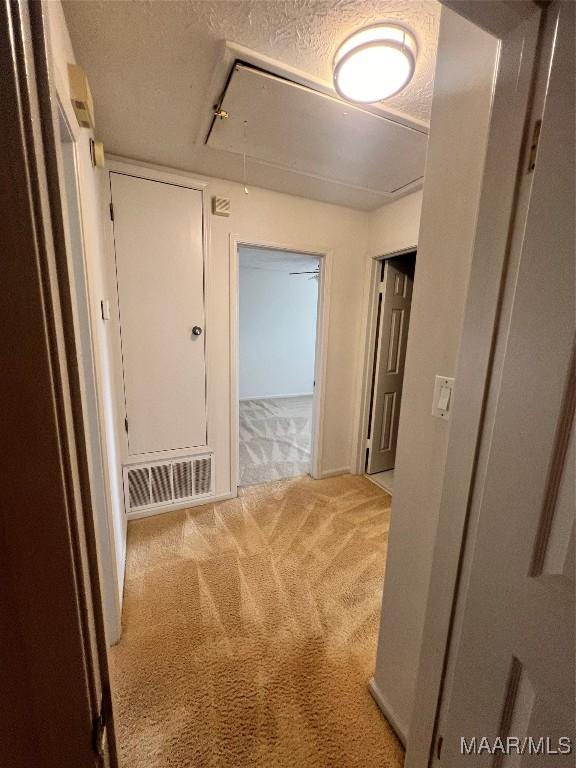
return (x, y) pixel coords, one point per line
(394, 318)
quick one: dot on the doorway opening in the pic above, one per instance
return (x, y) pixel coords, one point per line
(392, 299)
(278, 298)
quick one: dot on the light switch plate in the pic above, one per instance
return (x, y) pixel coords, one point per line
(443, 397)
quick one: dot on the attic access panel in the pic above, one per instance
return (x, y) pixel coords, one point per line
(288, 125)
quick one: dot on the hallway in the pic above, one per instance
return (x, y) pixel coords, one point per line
(250, 630)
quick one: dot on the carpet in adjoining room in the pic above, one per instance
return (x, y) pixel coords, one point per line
(275, 438)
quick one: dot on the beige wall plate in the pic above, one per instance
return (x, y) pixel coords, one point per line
(97, 154)
(81, 96)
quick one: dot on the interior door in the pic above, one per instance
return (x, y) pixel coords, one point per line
(514, 662)
(160, 273)
(395, 297)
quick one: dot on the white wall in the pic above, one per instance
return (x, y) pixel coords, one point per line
(277, 220)
(89, 193)
(459, 123)
(277, 330)
(295, 224)
(394, 227)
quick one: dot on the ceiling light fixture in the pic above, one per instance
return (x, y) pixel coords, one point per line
(374, 63)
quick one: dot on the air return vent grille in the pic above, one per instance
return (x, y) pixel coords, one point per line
(138, 487)
(182, 472)
(202, 476)
(167, 483)
(161, 483)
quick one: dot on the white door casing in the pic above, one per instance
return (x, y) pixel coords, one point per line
(512, 667)
(110, 564)
(325, 257)
(392, 335)
(158, 245)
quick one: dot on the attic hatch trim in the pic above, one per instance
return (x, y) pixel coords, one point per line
(241, 64)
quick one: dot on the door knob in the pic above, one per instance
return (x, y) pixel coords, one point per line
(197, 330)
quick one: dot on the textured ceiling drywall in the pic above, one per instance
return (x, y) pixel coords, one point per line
(306, 34)
(276, 261)
(151, 64)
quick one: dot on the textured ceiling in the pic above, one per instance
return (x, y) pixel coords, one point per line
(276, 261)
(151, 65)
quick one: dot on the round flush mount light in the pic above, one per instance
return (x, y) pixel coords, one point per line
(374, 63)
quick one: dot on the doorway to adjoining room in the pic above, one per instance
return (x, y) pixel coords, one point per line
(278, 310)
(391, 310)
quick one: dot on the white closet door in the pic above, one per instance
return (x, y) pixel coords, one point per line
(160, 272)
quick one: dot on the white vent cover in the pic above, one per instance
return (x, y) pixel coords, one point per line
(164, 484)
(221, 206)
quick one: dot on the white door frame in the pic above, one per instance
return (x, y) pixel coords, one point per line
(321, 353)
(535, 193)
(56, 686)
(93, 416)
(117, 164)
(370, 313)
(516, 26)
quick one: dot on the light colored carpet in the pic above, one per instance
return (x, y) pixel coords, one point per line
(250, 629)
(384, 480)
(275, 438)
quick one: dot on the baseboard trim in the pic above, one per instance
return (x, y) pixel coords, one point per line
(333, 473)
(375, 482)
(175, 507)
(277, 397)
(398, 727)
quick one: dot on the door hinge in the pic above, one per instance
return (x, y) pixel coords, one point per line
(439, 742)
(99, 728)
(111, 211)
(126, 424)
(369, 443)
(534, 145)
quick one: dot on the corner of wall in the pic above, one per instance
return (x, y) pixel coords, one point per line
(449, 202)
(62, 53)
(395, 226)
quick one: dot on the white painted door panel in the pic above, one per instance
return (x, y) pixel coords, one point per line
(286, 125)
(160, 273)
(514, 664)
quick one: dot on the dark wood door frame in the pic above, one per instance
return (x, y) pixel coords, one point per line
(52, 647)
